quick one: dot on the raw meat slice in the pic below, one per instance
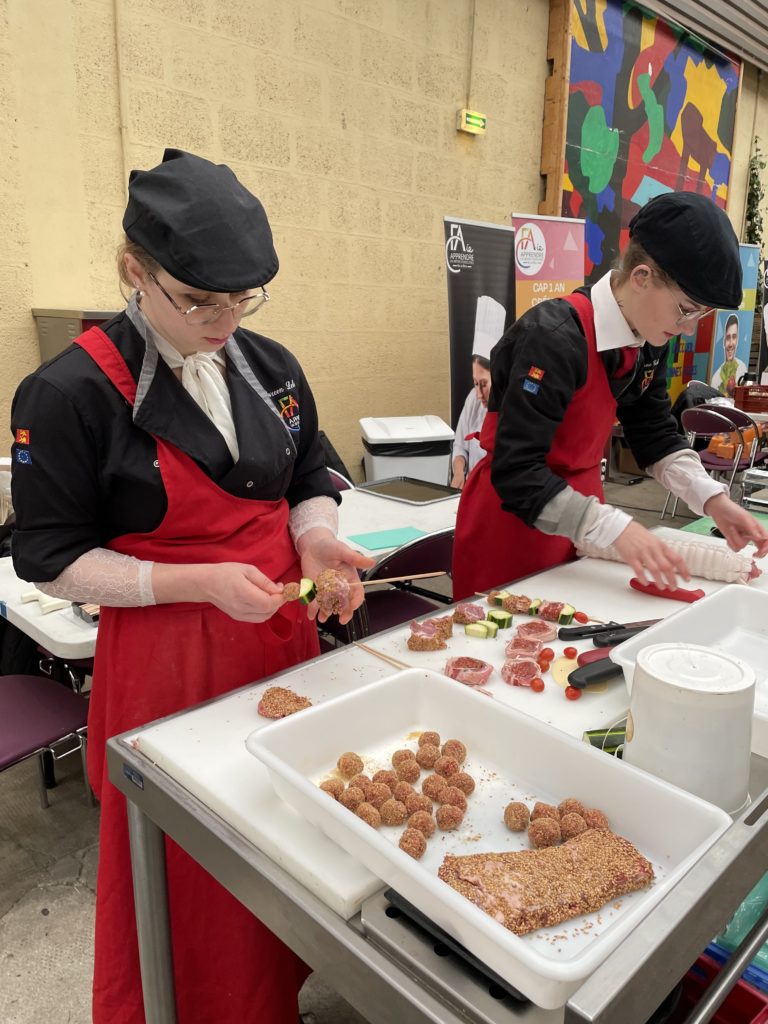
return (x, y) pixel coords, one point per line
(537, 630)
(519, 671)
(522, 645)
(518, 604)
(532, 889)
(471, 671)
(550, 610)
(466, 613)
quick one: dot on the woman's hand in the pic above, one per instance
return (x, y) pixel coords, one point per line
(319, 550)
(458, 472)
(241, 591)
(649, 557)
(736, 524)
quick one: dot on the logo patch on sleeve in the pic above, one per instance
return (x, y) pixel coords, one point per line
(23, 456)
(536, 372)
(532, 386)
(22, 436)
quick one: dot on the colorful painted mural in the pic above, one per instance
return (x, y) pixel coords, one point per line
(650, 110)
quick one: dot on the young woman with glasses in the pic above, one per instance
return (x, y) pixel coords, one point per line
(563, 374)
(168, 468)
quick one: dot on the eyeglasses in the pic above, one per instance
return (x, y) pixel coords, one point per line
(207, 312)
(691, 316)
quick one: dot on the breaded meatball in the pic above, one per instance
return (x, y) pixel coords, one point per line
(401, 755)
(455, 749)
(541, 810)
(352, 797)
(408, 771)
(350, 764)
(291, 591)
(423, 821)
(418, 802)
(448, 817)
(426, 755)
(378, 793)
(432, 785)
(362, 782)
(333, 786)
(572, 825)
(446, 766)
(596, 819)
(433, 738)
(402, 790)
(453, 796)
(369, 814)
(463, 782)
(387, 776)
(392, 812)
(516, 816)
(571, 806)
(413, 843)
(544, 832)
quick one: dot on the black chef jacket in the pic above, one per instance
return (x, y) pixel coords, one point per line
(550, 338)
(85, 464)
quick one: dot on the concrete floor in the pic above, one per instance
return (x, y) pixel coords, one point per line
(48, 873)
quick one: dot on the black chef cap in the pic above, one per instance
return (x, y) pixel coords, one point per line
(200, 224)
(693, 242)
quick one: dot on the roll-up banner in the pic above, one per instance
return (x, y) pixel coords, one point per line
(480, 267)
(549, 258)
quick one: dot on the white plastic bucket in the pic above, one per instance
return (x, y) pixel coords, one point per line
(690, 720)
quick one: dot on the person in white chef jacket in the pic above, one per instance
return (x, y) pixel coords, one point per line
(489, 327)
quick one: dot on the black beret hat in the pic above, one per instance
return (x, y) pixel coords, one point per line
(692, 240)
(200, 224)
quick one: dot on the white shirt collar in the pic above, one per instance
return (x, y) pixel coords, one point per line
(611, 329)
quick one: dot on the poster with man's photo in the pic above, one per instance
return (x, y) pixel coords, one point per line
(730, 351)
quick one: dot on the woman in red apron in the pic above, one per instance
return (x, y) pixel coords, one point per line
(563, 374)
(184, 483)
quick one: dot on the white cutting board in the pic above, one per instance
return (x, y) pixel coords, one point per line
(204, 750)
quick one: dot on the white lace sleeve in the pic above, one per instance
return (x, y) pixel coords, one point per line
(320, 511)
(104, 577)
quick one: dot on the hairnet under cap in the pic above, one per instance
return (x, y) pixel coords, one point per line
(692, 240)
(200, 224)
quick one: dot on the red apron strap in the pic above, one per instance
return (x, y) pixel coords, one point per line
(103, 352)
(586, 311)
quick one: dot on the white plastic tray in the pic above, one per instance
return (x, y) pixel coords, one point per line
(511, 756)
(733, 619)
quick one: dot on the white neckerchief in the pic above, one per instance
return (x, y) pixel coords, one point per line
(202, 378)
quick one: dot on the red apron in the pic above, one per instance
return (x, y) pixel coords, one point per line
(491, 546)
(151, 662)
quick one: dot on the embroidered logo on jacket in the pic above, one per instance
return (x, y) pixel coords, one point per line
(532, 386)
(648, 373)
(536, 372)
(289, 411)
(23, 456)
(22, 436)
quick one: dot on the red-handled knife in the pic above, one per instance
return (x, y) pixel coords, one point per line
(672, 593)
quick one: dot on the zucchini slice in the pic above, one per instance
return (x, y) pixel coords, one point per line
(476, 629)
(307, 590)
(500, 618)
(497, 597)
(566, 615)
(534, 609)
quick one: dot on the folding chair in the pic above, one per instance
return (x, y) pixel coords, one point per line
(703, 423)
(400, 602)
(40, 716)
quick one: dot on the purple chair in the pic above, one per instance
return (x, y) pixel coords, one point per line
(705, 422)
(39, 716)
(339, 480)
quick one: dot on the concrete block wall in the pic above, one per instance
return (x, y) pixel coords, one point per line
(339, 114)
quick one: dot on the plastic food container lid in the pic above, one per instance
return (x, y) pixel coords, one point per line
(694, 667)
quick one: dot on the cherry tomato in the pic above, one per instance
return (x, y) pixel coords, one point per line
(581, 617)
(570, 652)
(546, 653)
(572, 692)
(544, 665)
(537, 685)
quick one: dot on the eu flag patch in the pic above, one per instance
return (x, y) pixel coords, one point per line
(532, 386)
(536, 372)
(22, 436)
(23, 456)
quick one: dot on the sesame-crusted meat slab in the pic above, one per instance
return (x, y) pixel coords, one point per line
(533, 889)
(277, 702)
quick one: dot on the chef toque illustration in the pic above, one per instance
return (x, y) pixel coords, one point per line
(489, 326)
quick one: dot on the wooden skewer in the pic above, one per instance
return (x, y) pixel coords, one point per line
(402, 579)
(379, 654)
